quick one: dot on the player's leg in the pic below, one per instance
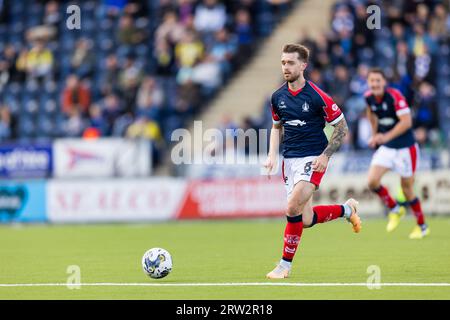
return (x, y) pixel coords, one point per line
(413, 201)
(324, 213)
(300, 195)
(396, 212)
(407, 167)
(377, 172)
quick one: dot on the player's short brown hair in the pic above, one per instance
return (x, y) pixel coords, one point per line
(377, 70)
(303, 52)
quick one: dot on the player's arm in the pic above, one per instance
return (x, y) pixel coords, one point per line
(336, 140)
(404, 123)
(335, 117)
(275, 139)
(373, 120)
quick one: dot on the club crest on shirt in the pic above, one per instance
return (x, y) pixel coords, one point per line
(305, 107)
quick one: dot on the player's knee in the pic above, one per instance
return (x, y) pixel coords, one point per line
(292, 209)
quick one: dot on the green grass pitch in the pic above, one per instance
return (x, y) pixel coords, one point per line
(239, 251)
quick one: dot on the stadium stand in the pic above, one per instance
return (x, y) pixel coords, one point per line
(135, 68)
(412, 47)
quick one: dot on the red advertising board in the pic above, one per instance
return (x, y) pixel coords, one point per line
(233, 198)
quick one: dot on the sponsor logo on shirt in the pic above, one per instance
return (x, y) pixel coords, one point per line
(297, 123)
(386, 121)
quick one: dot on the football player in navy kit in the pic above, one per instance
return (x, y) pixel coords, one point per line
(391, 122)
(300, 110)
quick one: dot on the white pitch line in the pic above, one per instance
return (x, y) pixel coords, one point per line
(228, 284)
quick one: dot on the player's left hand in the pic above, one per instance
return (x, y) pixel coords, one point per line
(320, 163)
(380, 139)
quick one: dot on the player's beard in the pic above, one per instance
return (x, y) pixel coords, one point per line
(292, 77)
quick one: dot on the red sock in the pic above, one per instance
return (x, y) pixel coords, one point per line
(292, 235)
(327, 213)
(417, 210)
(384, 195)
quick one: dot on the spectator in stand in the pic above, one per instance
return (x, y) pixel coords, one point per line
(136, 9)
(189, 94)
(96, 120)
(7, 124)
(52, 16)
(425, 107)
(223, 50)
(185, 11)
(363, 37)
(320, 58)
(75, 97)
(128, 34)
(210, 16)
(340, 89)
(111, 111)
(244, 34)
(83, 59)
(112, 8)
(110, 75)
(129, 78)
(170, 31)
(439, 26)
(398, 34)
(420, 43)
(8, 69)
(150, 98)
(144, 128)
(165, 59)
(189, 50)
(316, 77)
(342, 20)
(74, 124)
(38, 62)
(358, 83)
(207, 74)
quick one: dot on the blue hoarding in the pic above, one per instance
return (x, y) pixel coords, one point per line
(23, 201)
(25, 161)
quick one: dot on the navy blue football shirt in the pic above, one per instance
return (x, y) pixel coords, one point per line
(387, 109)
(303, 114)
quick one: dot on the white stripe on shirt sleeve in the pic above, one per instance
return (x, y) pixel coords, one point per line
(337, 119)
(402, 111)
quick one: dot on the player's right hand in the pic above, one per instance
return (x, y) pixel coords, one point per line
(269, 165)
(372, 142)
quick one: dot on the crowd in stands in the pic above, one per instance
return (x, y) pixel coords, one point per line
(133, 69)
(406, 47)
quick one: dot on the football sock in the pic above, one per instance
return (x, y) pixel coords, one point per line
(285, 264)
(292, 235)
(417, 210)
(327, 213)
(388, 201)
